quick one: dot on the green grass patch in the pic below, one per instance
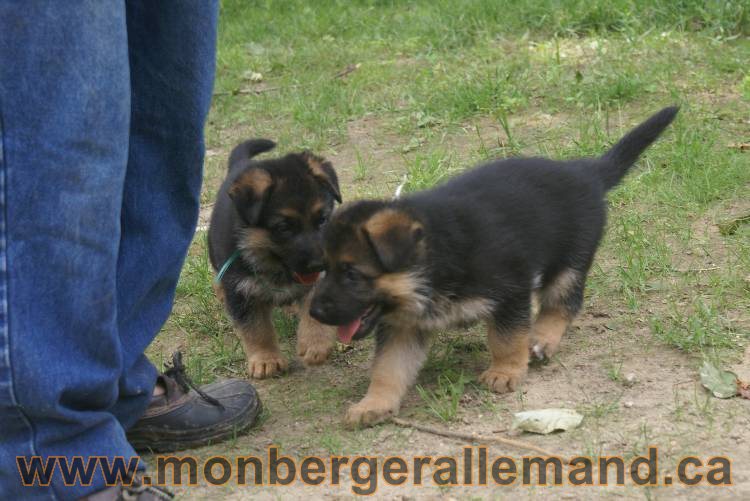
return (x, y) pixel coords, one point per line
(443, 401)
(697, 327)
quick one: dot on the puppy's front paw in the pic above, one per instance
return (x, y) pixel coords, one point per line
(314, 355)
(314, 351)
(502, 380)
(265, 364)
(370, 411)
(315, 341)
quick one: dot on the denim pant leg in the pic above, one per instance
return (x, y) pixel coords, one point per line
(65, 119)
(172, 47)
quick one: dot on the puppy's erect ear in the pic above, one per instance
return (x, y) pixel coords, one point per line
(322, 170)
(395, 238)
(249, 192)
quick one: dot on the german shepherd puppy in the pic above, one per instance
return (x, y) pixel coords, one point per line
(266, 238)
(482, 246)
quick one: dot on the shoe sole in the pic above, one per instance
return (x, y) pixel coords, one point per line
(160, 440)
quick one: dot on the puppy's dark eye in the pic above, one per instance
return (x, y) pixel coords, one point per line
(351, 273)
(283, 228)
(321, 221)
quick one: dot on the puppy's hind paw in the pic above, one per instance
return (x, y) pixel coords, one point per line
(542, 351)
(537, 352)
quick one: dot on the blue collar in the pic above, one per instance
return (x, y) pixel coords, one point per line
(224, 267)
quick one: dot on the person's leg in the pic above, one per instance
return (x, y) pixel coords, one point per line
(172, 58)
(65, 120)
(172, 47)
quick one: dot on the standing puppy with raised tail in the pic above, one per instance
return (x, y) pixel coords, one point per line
(480, 247)
(265, 242)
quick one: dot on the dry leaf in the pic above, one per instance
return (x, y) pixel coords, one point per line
(723, 384)
(253, 76)
(546, 421)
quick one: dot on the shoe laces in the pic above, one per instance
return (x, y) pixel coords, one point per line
(133, 491)
(177, 371)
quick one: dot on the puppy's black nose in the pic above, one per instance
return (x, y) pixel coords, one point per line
(317, 311)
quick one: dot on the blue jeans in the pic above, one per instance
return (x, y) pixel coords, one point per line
(102, 108)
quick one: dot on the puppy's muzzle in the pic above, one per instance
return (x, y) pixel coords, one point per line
(320, 310)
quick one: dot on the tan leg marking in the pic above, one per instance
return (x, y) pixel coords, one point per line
(547, 332)
(394, 370)
(536, 303)
(556, 292)
(510, 359)
(315, 341)
(264, 358)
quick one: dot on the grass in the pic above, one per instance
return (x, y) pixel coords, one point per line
(427, 170)
(614, 371)
(701, 327)
(442, 85)
(443, 401)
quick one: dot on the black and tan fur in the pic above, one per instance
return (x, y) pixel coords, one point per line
(273, 211)
(484, 246)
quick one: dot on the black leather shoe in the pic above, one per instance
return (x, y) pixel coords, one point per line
(186, 416)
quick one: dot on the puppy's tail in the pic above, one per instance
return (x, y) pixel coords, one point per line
(615, 163)
(248, 149)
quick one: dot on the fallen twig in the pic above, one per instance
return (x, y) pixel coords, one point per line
(698, 270)
(349, 69)
(250, 90)
(471, 437)
(680, 383)
(260, 90)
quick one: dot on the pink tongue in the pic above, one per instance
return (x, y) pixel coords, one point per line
(345, 332)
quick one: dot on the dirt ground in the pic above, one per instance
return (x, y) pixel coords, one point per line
(665, 407)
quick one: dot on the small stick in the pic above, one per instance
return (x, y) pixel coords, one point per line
(257, 91)
(260, 90)
(471, 438)
(698, 270)
(680, 383)
(349, 69)
(250, 90)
